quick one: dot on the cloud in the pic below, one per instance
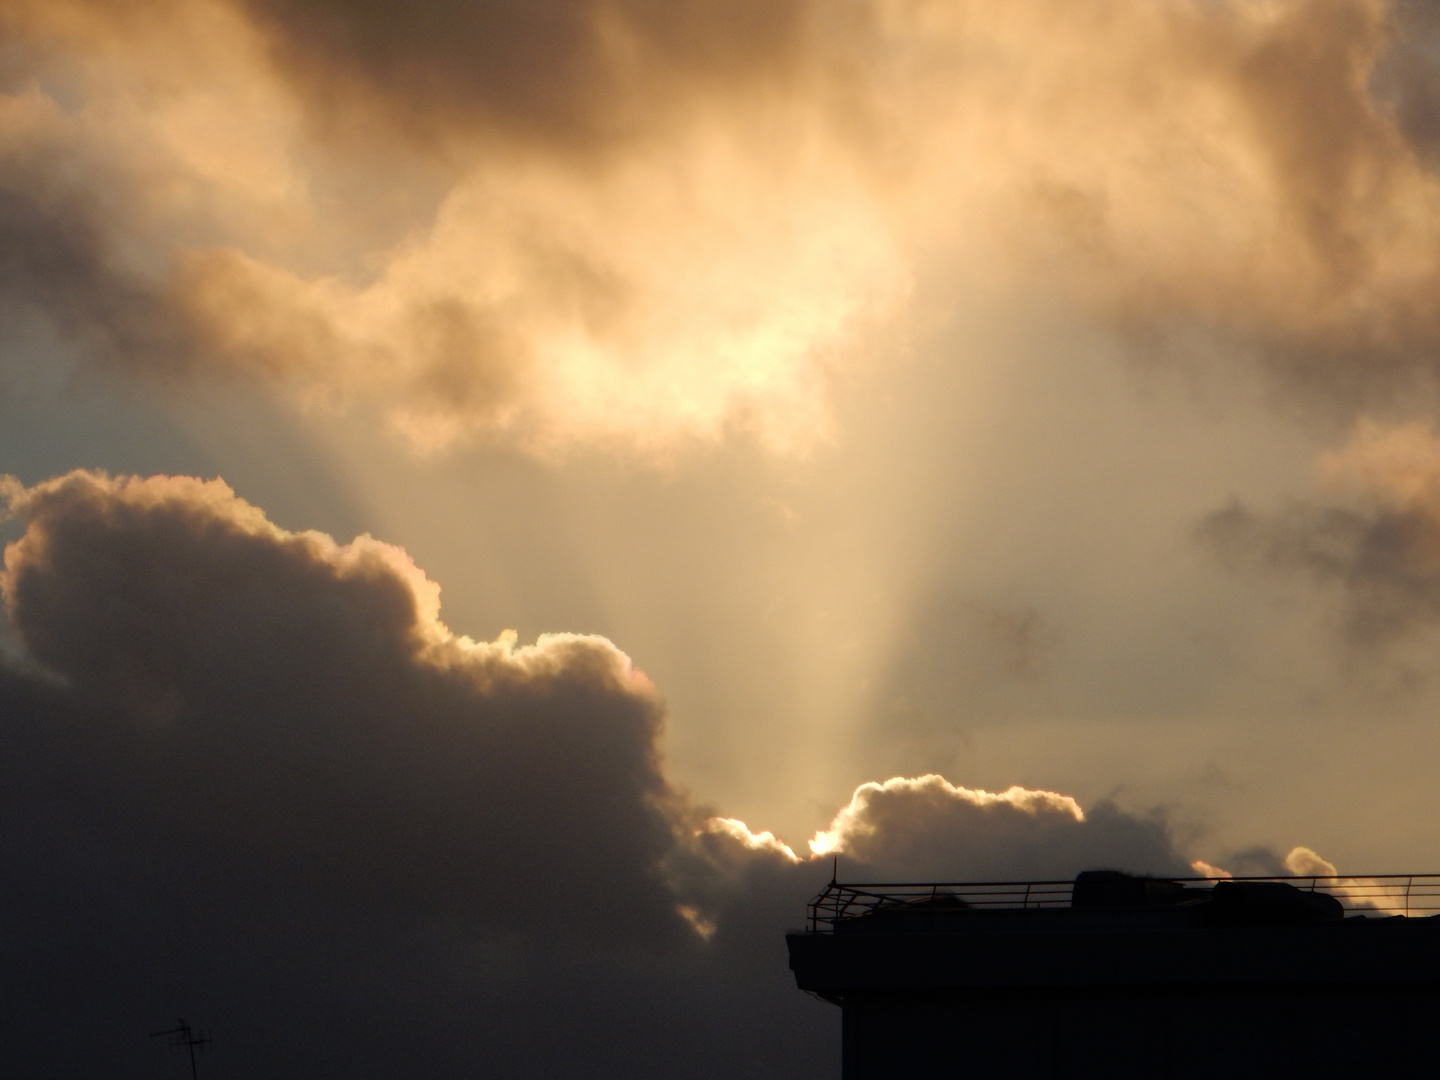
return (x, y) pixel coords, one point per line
(684, 290)
(560, 71)
(1407, 77)
(927, 829)
(1204, 869)
(250, 774)
(647, 227)
(294, 707)
(60, 255)
(1303, 862)
(1375, 543)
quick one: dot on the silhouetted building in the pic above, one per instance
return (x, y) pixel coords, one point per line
(1117, 976)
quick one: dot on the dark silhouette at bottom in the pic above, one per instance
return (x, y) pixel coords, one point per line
(1118, 975)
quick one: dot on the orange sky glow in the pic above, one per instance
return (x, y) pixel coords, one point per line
(961, 439)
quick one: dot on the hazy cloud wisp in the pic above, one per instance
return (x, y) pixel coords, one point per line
(1374, 542)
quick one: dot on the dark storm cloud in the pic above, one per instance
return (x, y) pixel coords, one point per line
(297, 706)
(291, 706)
(247, 776)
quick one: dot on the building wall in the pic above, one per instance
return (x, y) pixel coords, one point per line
(1283, 1031)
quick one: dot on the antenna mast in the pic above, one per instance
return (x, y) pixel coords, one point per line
(185, 1038)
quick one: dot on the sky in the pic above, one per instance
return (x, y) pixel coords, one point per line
(501, 493)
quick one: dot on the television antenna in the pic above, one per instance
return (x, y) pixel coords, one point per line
(183, 1037)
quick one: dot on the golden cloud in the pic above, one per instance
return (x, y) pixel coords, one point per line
(643, 226)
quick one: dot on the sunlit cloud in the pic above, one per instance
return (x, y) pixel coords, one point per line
(877, 806)
(737, 831)
(1395, 465)
(1208, 870)
(1303, 862)
(631, 246)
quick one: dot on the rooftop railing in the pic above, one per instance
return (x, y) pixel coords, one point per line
(1377, 895)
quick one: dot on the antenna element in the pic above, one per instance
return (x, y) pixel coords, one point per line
(185, 1038)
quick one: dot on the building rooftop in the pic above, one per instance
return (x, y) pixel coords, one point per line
(1204, 900)
(1115, 975)
(1106, 928)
